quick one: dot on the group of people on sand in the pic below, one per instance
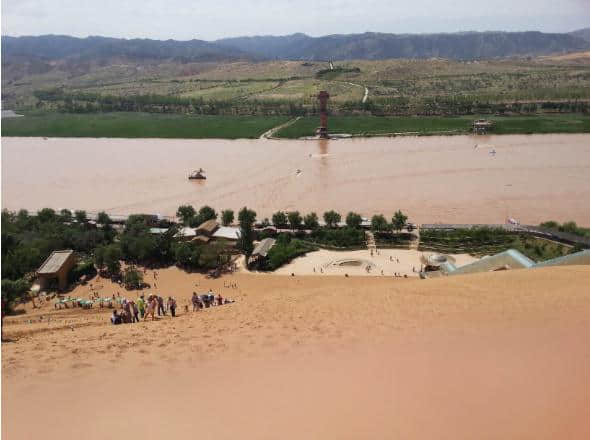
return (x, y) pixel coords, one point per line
(207, 300)
(132, 311)
(155, 303)
(142, 308)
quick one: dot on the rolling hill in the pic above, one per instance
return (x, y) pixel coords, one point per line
(376, 46)
(584, 34)
(370, 46)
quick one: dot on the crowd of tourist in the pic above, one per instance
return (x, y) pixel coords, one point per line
(141, 309)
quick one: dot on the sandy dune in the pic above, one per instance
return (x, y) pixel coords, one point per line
(495, 355)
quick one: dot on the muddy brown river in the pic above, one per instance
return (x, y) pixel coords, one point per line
(461, 179)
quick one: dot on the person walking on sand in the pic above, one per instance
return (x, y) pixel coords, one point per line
(141, 305)
(151, 308)
(135, 311)
(127, 308)
(195, 301)
(160, 301)
(172, 306)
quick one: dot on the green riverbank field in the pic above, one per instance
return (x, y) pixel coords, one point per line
(425, 125)
(139, 125)
(180, 126)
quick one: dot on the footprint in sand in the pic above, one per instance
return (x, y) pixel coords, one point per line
(79, 365)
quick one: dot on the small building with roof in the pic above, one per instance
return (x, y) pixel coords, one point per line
(207, 228)
(200, 239)
(56, 267)
(482, 126)
(261, 250)
(186, 233)
(229, 233)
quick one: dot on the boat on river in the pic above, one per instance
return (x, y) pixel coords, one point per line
(197, 175)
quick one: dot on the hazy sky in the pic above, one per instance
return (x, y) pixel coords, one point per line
(211, 19)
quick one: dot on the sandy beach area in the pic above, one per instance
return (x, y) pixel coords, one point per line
(384, 262)
(314, 357)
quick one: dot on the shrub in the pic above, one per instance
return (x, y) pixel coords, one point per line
(345, 237)
(354, 220)
(46, 215)
(65, 215)
(311, 221)
(279, 219)
(103, 218)
(213, 256)
(399, 220)
(227, 217)
(247, 218)
(13, 291)
(132, 278)
(551, 224)
(206, 213)
(378, 223)
(112, 256)
(332, 218)
(81, 216)
(284, 251)
(294, 219)
(185, 213)
(85, 267)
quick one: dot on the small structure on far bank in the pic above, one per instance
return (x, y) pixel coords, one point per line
(56, 267)
(482, 126)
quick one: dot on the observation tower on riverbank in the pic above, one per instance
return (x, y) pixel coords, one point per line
(322, 130)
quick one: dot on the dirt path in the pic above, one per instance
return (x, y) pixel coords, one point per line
(366, 95)
(371, 246)
(415, 243)
(270, 133)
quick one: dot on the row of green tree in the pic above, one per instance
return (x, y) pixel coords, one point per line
(569, 227)
(79, 102)
(189, 216)
(452, 105)
(294, 220)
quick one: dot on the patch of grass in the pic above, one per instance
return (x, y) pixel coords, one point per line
(336, 72)
(424, 125)
(566, 123)
(285, 250)
(486, 241)
(341, 238)
(139, 125)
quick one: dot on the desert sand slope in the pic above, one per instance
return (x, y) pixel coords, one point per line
(277, 314)
(494, 355)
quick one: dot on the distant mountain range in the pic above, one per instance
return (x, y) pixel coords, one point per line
(375, 46)
(372, 46)
(97, 48)
(584, 34)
